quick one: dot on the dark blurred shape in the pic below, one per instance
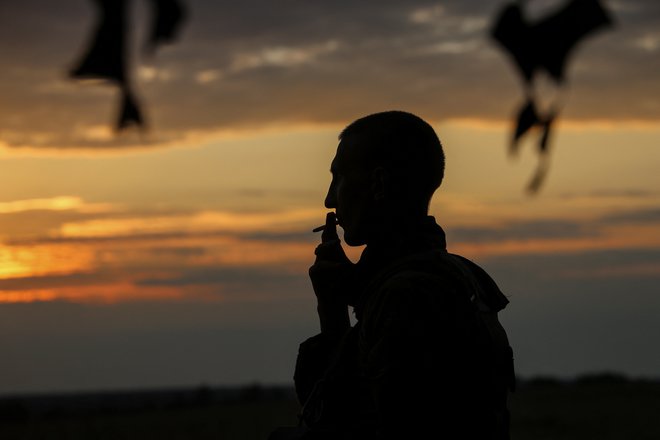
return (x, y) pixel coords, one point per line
(130, 112)
(545, 136)
(167, 18)
(512, 32)
(540, 382)
(604, 378)
(13, 410)
(539, 175)
(106, 57)
(544, 46)
(527, 118)
(548, 43)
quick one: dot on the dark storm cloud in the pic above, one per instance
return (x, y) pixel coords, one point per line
(39, 228)
(522, 230)
(119, 238)
(558, 324)
(554, 229)
(54, 281)
(63, 346)
(651, 215)
(179, 251)
(246, 64)
(613, 193)
(577, 312)
(194, 281)
(283, 237)
(248, 279)
(278, 237)
(539, 268)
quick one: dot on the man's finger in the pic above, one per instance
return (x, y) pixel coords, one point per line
(330, 230)
(329, 250)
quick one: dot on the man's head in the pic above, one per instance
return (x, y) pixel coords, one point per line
(388, 165)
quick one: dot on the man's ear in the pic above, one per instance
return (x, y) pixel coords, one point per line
(380, 183)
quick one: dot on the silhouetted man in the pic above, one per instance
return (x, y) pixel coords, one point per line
(427, 357)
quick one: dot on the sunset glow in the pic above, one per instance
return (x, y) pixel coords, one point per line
(193, 238)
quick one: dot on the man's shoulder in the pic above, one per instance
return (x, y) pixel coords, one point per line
(417, 283)
(433, 269)
(439, 277)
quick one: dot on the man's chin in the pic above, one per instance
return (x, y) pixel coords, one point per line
(353, 239)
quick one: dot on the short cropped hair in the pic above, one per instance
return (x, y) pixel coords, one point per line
(406, 146)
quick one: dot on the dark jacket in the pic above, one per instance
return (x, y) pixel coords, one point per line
(427, 354)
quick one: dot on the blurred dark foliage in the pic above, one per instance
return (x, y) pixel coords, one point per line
(106, 56)
(544, 46)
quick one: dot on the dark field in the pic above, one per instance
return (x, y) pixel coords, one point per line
(597, 407)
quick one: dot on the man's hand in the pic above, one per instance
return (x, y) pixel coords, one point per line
(331, 277)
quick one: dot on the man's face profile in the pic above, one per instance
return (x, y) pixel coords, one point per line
(349, 194)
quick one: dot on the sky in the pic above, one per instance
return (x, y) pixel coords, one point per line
(179, 256)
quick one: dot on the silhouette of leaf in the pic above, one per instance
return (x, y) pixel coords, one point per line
(557, 35)
(129, 113)
(527, 118)
(105, 57)
(539, 176)
(514, 35)
(545, 136)
(547, 43)
(167, 18)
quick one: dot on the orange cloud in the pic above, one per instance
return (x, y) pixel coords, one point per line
(27, 296)
(60, 203)
(620, 237)
(95, 294)
(199, 222)
(41, 260)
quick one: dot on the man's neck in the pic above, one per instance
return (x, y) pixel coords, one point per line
(395, 228)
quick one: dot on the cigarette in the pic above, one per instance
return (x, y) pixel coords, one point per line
(322, 227)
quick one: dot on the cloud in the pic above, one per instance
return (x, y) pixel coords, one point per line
(197, 222)
(550, 229)
(58, 203)
(625, 6)
(427, 15)
(239, 66)
(632, 265)
(257, 214)
(179, 251)
(65, 247)
(451, 47)
(39, 260)
(221, 255)
(281, 56)
(282, 237)
(253, 279)
(41, 283)
(110, 268)
(199, 268)
(649, 215)
(150, 73)
(30, 219)
(27, 296)
(208, 76)
(614, 193)
(633, 225)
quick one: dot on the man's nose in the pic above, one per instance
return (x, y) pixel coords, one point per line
(330, 199)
